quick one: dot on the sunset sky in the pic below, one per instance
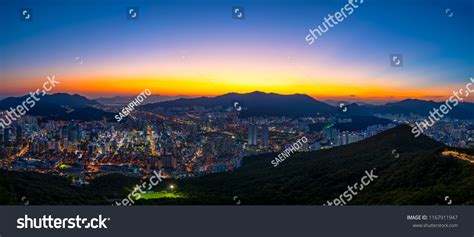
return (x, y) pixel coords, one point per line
(196, 48)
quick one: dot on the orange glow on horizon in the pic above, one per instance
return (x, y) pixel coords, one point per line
(209, 86)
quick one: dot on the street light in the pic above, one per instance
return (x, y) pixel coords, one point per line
(172, 187)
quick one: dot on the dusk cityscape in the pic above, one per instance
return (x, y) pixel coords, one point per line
(217, 103)
(225, 118)
(186, 143)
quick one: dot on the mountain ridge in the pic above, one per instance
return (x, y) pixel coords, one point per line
(312, 178)
(300, 105)
(253, 104)
(60, 106)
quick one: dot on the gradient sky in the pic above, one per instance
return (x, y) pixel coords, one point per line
(196, 48)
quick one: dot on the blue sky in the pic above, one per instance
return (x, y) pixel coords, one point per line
(438, 50)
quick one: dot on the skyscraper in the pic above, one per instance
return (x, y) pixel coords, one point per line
(264, 135)
(252, 134)
(169, 162)
(19, 135)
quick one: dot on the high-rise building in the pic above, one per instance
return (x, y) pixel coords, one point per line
(343, 138)
(19, 134)
(73, 134)
(265, 139)
(169, 162)
(252, 134)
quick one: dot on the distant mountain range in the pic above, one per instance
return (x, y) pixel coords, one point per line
(297, 105)
(255, 104)
(61, 106)
(66, 107)
(412, 106)
(419, 175)
(124, 100)
(59, 99)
